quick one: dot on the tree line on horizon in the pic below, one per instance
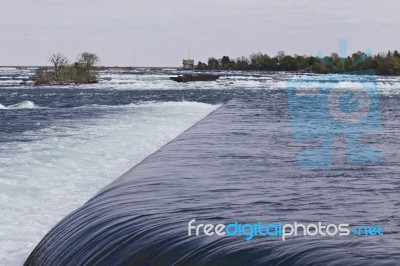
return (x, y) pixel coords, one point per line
(82, 71)
(382, 63)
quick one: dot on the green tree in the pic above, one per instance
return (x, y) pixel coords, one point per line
(288, 63)
(87, 63)
(242, 63)
(213, 63)
(201, 66)
(261, 61)
(225, 60)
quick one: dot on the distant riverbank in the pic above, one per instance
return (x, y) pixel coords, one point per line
(386, 64)
(382, 66)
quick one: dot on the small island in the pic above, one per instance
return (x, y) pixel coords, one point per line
(82, 71)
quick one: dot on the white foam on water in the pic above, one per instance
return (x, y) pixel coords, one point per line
(43, 180)
(21, 105)
(229, 80)
(241, 80)
(149, 80)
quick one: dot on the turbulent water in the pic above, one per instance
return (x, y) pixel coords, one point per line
(61, 145)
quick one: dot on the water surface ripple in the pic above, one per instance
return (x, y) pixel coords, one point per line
(238, 164)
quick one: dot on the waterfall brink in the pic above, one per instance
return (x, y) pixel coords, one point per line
(239, 164)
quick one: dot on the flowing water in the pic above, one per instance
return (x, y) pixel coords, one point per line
(61, 145)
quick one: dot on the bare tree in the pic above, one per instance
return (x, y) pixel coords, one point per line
(60, 63)
(280, 55)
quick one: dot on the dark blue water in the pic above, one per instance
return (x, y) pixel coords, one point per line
(238, 164)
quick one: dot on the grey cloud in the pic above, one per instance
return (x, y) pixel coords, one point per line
(161, 32)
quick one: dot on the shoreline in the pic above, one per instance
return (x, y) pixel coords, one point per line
(122, 68)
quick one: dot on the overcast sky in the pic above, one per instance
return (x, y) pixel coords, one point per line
(161, 32)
